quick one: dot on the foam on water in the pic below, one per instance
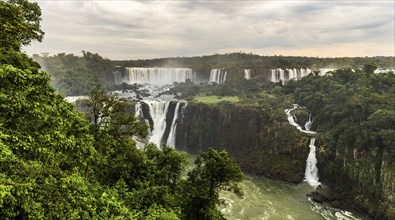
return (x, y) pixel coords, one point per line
(269, 199)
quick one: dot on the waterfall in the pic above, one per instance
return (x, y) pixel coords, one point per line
(273, 75)
(171, 140)
(277, 75)
(324, 71)
(247, 74)
(218, 76)
(119, 77)
(183, 109)
(304, 72)
(138, 111)
(288, 74)
(155, 76)
(308, 124)
(311, 172)
(158, 111)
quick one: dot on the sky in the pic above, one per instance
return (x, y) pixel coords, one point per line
(143, 29)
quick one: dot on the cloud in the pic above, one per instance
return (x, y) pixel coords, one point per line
(150, 29)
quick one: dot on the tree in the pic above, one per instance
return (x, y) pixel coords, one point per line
(369, 68)
(214, 171)
(20, 23)
(76, 75)
(113, 115)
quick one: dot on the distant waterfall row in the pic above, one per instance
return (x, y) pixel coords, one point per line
(163, 122)
(154, 76)
(282, 75)
(166, 76)
(218, 76)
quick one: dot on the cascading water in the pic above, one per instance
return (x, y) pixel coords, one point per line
(218, 76)
(309, 123)
(311, 172)
(155, 76)
(304, 72)
(171, 140)
(138, 111)
(158, 111)
(324, 71)
(247, 74)
(288, 74)
(277, 75)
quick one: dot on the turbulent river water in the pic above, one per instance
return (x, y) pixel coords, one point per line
(268, 199)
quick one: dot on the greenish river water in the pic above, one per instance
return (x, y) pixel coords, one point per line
(268, 199)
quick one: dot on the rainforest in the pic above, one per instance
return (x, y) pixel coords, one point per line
(222, 136)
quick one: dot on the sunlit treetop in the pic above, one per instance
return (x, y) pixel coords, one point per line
(20, 23)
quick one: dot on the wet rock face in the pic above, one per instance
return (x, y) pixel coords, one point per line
(365, 178)
(261, 144)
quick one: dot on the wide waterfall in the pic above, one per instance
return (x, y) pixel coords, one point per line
(284, 76)
(218, 76)
(158, 111)
(247, 74)
(155, 76)
(311, 172)
(158, 115)
(277, 75)
(297, 74)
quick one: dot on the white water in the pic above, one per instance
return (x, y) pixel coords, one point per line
(158, 104)
(324, 71)
(308, 124)
(269, 199)
(139, 114)
(73, 99)
(311, 172)
(218, 76)
(138, 111)
(171, 140)
(155, 76)
(288, 74)
(158, 112)
(247, 74)
(277, 75)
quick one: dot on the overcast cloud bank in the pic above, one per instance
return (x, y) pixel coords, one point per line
(152, 29)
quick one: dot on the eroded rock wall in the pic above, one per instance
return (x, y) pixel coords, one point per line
(260, 140)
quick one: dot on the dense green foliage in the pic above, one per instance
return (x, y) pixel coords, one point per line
(55, 164)
(253, 61)
(73, 75)
(356, 108)
(215, 99)
(355, 112)
(214, 171)
(20, 24)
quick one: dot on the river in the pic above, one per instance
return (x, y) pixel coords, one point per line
(268, 199)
